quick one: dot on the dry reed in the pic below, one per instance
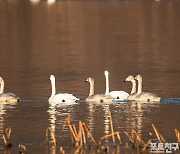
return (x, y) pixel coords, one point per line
(50, 136)
(79, 138)
(22, 148)
(111, 123)
(158, 134)
(112, 132)
(61, 150)
(135, 139)
(177, 136)
(7, 137)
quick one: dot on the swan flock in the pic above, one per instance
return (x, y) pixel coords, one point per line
(136, 94)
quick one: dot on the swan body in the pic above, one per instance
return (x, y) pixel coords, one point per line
(145, 96)
(97, 98)
(65, 98)
(133, 93)
(120, 95)
(7, 97)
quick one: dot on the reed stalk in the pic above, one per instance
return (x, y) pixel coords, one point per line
(112, 129)
(147, 145)
(177, 136)
(138, 137)
(89, 134)
(119, 137)
(7, 137)
(135, 139)
(130, 137)
(158, 134)
(49, 132)
(109, 135)
(72, 129)
(79, 136)
(83, 133)
(8, 134)
(22, 148)
(4, 139)
(61, 150)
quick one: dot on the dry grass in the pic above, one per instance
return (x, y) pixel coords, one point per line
(177, 136)
(7, 137)
(81, 138)
(50, 136)
(22, 148)
(112, 132)
(158, 134)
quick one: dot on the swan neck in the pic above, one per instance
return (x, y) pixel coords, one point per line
(53, 87)
(133, 90)
(2, 87)
(91, 90)
(107, 84)
(139, 87)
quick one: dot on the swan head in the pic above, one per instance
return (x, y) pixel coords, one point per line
(129, 78)
(1, 79)
(106, 73)
(138, 77)
(89, 79)
(52, 77)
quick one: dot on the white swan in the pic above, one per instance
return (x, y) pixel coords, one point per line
(100, 98)
(61, 97)
(145, 96)
(120, 95)
(133, 90)
(7, 97)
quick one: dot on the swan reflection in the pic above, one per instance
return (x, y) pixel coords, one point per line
(4, 108)
(34, 1)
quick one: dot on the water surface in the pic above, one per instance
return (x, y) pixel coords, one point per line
(74, 40)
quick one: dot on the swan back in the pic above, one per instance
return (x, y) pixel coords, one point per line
(62, 98)
(99, 98)
(9, 98)
(120, 95)
(145, 96)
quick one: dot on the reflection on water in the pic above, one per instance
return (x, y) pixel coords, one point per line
(106, 119)
(74, 41)
(4, 108)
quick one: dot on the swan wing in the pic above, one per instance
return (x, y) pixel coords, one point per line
(63, 98)
(99, 98)
(8, 97)
(122, 95)
(147, 97)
